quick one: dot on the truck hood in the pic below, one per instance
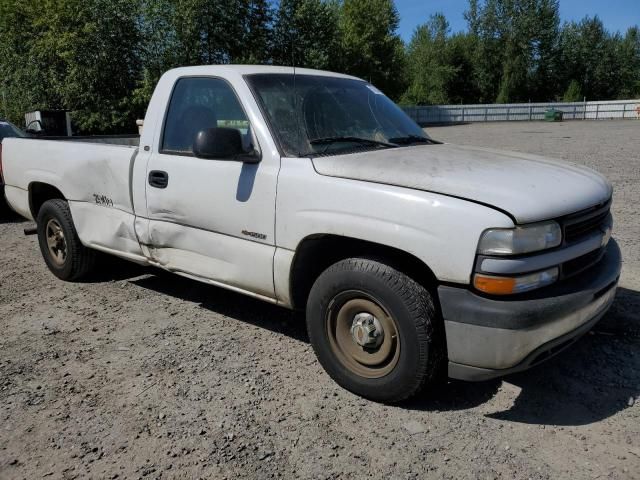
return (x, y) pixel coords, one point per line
(529, 187)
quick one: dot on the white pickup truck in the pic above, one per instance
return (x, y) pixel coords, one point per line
(312, 190)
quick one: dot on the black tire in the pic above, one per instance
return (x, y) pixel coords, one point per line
(420, 336)
(78, 260)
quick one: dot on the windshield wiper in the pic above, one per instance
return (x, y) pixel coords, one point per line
(364, 141)
(409, 139)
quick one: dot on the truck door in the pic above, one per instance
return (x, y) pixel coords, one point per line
(212, 219)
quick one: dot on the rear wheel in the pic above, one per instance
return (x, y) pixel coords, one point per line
(375, 330)
(61, 248)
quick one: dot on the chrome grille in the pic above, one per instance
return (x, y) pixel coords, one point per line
(582, 224)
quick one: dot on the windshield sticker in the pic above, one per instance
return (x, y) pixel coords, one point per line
(374, 90)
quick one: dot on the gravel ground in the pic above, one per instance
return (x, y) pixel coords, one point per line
(140, 374)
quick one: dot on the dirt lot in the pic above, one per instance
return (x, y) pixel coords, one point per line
(139, 374)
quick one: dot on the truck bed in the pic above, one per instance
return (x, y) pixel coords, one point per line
(94, 178)
(87, 172)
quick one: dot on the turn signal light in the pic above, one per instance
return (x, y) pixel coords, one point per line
(509, 285)
(494, 285)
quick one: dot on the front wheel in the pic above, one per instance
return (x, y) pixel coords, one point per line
(375, 330)
(61, 248)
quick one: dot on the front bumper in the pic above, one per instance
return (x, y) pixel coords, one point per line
(488, 338)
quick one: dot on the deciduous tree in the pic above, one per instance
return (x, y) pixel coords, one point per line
(305, 33)
(429, 67)
(370, 45)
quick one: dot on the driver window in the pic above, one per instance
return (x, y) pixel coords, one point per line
(197, 104)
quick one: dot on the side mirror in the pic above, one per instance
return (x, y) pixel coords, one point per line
(222, 144)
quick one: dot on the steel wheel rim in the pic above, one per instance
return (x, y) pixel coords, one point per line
(56, 242)
(368, 362)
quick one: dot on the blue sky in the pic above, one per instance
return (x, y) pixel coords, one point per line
(615, 14)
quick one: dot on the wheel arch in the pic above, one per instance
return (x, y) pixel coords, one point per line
(315, 253)
(40, 192)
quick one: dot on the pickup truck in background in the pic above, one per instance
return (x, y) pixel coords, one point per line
(312, 190)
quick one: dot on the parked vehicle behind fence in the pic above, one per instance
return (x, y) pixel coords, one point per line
(312, 190)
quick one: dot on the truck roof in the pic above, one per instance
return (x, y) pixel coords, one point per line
(252, 69)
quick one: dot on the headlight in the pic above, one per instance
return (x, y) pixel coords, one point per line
(509, 285)
(526, 239)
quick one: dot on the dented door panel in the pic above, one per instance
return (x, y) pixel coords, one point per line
(228, 260)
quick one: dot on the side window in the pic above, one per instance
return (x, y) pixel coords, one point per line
(197, 104)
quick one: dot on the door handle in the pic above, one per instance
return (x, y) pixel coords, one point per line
(158, 179)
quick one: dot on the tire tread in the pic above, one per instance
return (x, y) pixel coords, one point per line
(422, 311)
(82, 259)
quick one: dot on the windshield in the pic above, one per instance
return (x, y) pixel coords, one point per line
(9, 130)
(330, 115)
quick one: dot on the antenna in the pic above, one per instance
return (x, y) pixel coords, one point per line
(293, 63)
(295, 90)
